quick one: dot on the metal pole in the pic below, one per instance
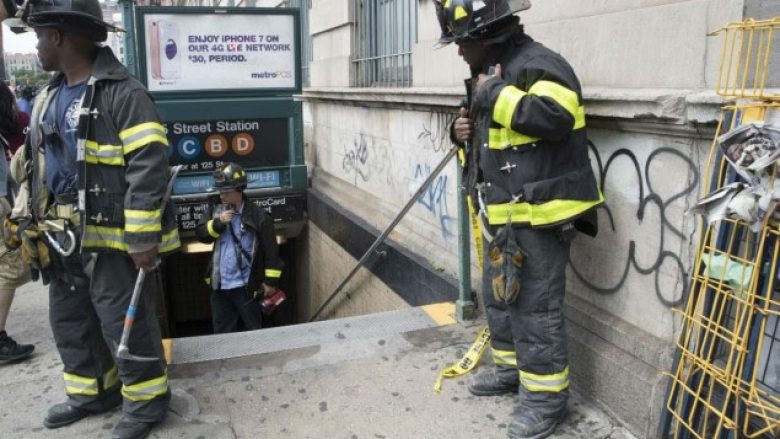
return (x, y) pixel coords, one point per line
(128, 19)
(464, 307)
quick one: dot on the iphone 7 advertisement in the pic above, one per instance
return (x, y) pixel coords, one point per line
(190, 52)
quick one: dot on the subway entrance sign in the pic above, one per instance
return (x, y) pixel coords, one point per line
(199, 146)
(223, 80)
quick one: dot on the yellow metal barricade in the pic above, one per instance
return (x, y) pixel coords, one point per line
(715, 388)
(746, 58)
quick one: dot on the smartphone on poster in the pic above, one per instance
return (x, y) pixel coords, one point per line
(163, 50)
(170, 63)
(154, 49)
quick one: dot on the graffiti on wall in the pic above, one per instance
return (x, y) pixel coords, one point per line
(647, 195)
(435, 133)
(366, 157)
(434, 198)
(356, 159)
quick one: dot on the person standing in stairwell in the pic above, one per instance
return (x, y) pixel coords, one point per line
(245, 266)
(527, 168)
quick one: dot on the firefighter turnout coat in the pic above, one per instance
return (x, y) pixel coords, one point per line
(122, 168)
(530, 140)
(266, 265)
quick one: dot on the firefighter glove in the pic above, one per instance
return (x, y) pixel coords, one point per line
(34, 251)
(11, 237)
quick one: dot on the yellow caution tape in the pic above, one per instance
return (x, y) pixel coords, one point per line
(468, 362)
(476, 231)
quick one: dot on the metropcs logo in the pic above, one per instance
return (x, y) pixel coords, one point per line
(214, 145)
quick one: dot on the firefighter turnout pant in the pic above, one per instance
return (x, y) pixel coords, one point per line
(88, 298)
(528, 334)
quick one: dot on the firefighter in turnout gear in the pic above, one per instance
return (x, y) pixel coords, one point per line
(97, 178)
(245, 265)
(527, 168)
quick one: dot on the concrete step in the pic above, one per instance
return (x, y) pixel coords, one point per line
(263, 341)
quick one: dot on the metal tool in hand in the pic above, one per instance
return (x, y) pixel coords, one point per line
(123, 351)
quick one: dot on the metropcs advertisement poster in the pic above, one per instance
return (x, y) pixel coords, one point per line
(207, 51)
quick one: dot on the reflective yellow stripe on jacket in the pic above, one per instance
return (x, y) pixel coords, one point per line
(114, 238)
(509, 98)
(210, 228)
(106, 237)
(504, 358)
(170, 241)
(146, 390)
(105, 154)
(502, 138)
(274, 274)
(142, 134)
(142, 221)
(551, 212)
(545, 383)
(506, 104)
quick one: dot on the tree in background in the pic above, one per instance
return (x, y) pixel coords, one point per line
(30, 77)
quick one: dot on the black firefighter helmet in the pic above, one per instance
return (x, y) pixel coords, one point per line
(462, 20)
(229, 177)
(12, 14)
(10, 7)
(83, 17)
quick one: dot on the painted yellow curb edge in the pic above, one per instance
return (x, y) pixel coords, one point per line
(168, 350)
(441, 313)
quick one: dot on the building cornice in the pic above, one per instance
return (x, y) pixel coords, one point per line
(676, 111)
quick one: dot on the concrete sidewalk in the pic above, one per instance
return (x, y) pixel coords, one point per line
(346, 386)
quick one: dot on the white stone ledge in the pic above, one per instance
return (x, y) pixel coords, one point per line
(674, 106)
(417, 96)
(635, 103)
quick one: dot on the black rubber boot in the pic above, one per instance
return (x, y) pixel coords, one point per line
(495, 381)
(63, 414)
(131, 429)
(10, 350)
(530, 424)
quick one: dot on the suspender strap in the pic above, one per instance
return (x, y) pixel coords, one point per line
(237, 244)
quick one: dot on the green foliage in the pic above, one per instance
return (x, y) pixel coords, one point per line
(30, 77)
